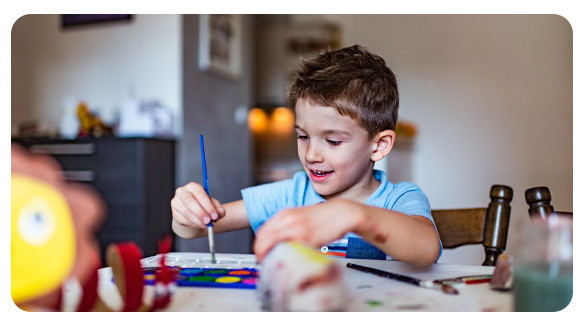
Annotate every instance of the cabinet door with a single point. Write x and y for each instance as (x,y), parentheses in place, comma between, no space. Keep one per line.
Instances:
(135,177)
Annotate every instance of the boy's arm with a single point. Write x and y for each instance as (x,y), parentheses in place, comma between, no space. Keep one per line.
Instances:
(411,239)
(235,218)
(408,238)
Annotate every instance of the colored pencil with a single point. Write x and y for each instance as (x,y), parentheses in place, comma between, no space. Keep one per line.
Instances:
(211,235)
(429,284)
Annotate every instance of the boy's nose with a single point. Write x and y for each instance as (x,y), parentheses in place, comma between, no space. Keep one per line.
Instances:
(313,154)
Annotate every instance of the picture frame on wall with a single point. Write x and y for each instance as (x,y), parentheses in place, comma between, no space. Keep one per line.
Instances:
(220,44)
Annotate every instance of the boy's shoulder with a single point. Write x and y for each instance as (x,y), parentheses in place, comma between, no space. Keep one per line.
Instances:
(388,194)
(404,197)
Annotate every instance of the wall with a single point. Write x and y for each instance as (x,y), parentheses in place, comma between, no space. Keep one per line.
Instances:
(210,102)
(492,97)
(100,64)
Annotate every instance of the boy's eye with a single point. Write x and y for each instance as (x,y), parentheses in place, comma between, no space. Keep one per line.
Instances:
(334,142)
(302,137)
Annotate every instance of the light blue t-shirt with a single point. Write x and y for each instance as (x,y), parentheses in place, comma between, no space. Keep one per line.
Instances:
(264,201)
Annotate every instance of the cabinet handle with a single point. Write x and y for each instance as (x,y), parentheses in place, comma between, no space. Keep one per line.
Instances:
(79,175)
(64,149)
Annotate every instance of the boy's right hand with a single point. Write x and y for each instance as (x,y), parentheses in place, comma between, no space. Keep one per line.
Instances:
(192,207)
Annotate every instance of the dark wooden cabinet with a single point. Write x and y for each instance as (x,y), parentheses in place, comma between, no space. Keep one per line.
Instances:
(135,176)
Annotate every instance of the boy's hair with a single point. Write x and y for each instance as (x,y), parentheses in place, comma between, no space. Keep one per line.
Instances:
(352,80)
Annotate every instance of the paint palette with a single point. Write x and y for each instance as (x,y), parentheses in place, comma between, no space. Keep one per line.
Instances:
(241,278)
(200,260)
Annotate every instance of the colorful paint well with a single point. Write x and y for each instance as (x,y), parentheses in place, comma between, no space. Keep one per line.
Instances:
(191,272)
(245,278)
(250,281)
(240,272)
(228,279)
(215,272)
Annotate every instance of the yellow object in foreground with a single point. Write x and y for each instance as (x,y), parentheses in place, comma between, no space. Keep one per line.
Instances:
(310,253)
(42,238)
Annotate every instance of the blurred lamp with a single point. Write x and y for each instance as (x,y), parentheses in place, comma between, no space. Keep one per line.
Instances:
(282,120)
(257,120)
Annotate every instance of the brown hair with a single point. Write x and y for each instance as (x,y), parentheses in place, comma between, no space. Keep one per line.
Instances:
(352,80)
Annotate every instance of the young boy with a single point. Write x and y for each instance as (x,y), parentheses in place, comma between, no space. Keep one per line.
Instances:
(346,104)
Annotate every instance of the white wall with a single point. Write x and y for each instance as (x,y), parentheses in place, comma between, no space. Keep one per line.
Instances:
(99,64)
(492,97)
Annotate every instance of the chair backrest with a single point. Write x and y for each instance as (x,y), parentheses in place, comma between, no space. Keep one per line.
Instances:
(487,225)
(539,203)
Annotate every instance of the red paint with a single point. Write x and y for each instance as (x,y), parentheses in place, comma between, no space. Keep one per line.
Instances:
(307,284)
(380,238)
(240,272)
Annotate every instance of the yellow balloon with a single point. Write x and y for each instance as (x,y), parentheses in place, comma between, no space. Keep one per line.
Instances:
(43,243)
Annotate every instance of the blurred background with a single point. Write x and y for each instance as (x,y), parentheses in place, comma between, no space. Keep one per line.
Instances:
(484,99)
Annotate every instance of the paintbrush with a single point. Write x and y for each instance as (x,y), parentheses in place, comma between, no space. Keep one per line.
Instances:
(468,279)
(429,284)
(211,234)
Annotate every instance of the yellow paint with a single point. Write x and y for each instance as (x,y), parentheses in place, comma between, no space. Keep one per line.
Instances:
(310,253)
(42,238)
(228,279)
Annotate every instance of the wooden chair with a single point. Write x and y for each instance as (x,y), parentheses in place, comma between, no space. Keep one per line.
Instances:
(539,203)
(487,226)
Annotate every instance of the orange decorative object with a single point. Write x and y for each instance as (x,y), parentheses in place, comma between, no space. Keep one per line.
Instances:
(406,129)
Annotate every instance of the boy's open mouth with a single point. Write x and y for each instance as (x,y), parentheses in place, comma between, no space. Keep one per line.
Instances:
(319,175)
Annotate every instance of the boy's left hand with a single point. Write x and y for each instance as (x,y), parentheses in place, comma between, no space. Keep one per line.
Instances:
(314,226)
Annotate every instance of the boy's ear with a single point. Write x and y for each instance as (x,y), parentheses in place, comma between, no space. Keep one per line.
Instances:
(383,144)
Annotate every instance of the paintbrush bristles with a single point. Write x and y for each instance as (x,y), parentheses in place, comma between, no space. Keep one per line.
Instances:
(212,244)
(449,289)
(445,288)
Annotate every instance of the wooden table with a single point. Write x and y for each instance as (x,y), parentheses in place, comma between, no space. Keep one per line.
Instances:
(367,292)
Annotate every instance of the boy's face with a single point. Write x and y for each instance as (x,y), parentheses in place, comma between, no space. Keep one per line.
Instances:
(335,152)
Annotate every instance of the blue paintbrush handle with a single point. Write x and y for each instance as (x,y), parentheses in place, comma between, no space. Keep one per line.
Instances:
(204,174)
(203,160)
